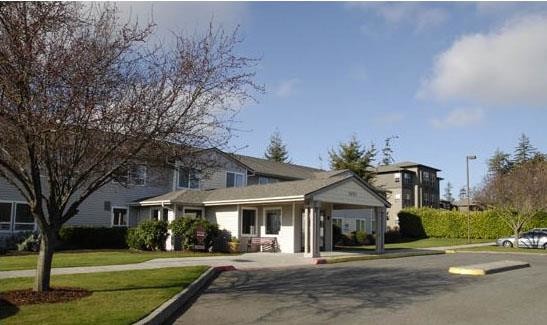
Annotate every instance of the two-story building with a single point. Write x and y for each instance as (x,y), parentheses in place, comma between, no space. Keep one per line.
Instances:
(248,196)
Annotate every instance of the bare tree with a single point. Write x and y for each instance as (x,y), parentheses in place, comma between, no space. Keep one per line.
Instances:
(83,96)
(517,195)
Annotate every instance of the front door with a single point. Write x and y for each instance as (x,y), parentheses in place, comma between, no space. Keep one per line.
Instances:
(321,230)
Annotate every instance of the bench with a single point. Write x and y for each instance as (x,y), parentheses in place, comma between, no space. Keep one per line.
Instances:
(266,244)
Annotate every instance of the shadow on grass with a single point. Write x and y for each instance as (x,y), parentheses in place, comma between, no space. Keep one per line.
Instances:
(7,309)
(323,292)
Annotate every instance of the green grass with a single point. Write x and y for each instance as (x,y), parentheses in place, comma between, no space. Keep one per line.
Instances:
(117,298)
(421,243)
(504,249)
(90,258)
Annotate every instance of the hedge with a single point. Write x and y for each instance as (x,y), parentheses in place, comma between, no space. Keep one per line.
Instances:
(149,235)
(428,222)
(92,238)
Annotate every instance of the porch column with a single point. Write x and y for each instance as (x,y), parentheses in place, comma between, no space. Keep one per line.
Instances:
(313,230)
(171,214)
(306,231)
(380,229)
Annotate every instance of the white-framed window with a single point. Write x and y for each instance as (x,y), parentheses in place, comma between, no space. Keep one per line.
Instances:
(337,221)
(266,180)
(187,178)
(192,212)
(5,216)
(234,179)
(272,221)
(397,177)
(248,221)
(133,174)
(120,216)
(407,178)
(159,214)
(360,225)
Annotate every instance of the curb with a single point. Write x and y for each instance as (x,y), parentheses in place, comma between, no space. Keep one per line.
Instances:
(488,268)
(375,257)
(500,253)
(170,307)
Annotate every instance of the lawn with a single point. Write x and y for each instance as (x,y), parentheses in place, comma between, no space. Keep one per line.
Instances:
(117,297)
(90,258)
(505,249)
(421,243)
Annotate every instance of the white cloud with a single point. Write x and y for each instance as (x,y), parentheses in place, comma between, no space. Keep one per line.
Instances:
(286,88)
(504,67)
(398,13)
(459,118)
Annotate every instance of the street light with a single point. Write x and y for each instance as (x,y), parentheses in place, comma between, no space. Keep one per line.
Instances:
(467,158)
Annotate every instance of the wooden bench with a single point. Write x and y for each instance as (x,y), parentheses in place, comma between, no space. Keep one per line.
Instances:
(267,244)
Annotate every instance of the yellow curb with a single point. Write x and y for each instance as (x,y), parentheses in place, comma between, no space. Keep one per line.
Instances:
(466,271)
(450,251)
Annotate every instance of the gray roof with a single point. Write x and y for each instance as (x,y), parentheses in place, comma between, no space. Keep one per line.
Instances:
(399,166)
(264,191)
(273,168)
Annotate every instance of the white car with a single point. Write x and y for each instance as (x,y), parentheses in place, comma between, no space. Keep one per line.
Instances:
(531,239)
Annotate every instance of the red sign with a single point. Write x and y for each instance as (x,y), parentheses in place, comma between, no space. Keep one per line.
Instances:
(200,236)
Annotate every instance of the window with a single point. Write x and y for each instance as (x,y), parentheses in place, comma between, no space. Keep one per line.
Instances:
(132,175)
(188,178)
(157,213)
(266,180)
(397,177)
(407,178)
(234,179)
(5,215)
(337,221)
(193,213)
(23,218)
(119,217)
(248,221)
(273,221)
(359,225)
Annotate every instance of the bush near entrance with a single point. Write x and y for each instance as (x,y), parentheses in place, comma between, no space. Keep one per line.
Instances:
(149,235)
(428,222)
(184,234)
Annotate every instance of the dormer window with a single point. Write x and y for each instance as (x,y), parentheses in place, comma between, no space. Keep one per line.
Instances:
(235,179)
(188,178)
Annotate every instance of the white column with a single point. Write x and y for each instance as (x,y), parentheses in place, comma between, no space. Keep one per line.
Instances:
(380,229)
(313,230)
(306,230)
(168,242)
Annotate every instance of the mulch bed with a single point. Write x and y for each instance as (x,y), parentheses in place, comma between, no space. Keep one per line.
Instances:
(29,297)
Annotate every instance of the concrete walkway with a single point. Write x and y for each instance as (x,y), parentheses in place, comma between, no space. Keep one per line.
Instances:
(245,261)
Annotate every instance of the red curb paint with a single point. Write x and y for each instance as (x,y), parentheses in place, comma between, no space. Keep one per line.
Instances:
(319,261)
(225,268)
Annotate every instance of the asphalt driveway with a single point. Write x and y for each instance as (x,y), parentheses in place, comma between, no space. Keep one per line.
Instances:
(414,290)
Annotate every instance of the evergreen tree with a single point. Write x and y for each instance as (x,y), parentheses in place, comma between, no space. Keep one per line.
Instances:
(277,150)
(524,151)
(500,163)
(448,193)
(355,157)
(387,151)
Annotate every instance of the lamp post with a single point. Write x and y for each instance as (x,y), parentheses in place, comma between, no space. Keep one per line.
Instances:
(467,158)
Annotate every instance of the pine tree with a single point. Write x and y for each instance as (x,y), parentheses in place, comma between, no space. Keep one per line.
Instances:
(500,163)
(387,151)
(448,193)
(277,150)
(524,151)
(355,157)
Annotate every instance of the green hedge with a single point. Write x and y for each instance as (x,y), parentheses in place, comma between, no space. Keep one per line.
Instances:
(149,235)
(92,238)
(428,222)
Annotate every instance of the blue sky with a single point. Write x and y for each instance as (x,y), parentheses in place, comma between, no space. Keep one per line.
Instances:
(449,79)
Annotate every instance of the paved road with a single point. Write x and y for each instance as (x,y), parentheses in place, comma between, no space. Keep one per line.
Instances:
(415,290)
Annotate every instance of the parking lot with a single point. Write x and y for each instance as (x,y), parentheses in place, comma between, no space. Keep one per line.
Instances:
(414,290)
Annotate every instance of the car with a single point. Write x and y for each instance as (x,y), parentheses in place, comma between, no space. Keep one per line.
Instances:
(539,229)
(530,239)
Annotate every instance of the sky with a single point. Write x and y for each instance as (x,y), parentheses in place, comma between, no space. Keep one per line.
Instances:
(448,79)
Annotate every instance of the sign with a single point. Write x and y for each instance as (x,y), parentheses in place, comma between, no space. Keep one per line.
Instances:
(200,237)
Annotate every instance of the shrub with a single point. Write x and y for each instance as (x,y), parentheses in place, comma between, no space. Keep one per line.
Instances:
(148,235)
(392,236)
(428,222)
(92,238)
(359,237)
(30,244)
(337,236)
(184,233)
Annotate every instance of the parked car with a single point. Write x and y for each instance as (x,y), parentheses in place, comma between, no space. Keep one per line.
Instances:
(539,229)
(530,239)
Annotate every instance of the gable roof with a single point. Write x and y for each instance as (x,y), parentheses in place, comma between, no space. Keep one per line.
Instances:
(277,169)
(399,166)
(281,191)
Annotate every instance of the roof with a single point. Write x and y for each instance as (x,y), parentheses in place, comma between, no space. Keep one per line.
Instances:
(399,166)
(278,169)
(289,190)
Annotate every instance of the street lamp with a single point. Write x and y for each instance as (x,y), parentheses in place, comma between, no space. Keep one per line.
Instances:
(467,158)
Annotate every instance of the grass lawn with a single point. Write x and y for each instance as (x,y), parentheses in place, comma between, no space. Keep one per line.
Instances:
(505,249)
(421,243)
(117,297)
(90,258)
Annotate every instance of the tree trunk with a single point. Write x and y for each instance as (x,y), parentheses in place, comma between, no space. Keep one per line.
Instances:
(516,238)
(43,269)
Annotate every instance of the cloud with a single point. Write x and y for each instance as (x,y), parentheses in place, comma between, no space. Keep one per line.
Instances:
(399,13)
(504,67)
(390,118)
(458,118)
(286,88)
